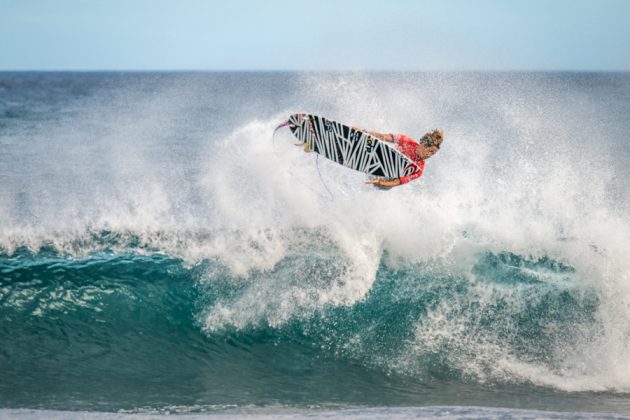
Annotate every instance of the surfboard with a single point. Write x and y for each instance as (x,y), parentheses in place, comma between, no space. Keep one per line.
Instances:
(354,149)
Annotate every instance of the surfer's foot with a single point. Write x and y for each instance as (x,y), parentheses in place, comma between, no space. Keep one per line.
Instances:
(306,148)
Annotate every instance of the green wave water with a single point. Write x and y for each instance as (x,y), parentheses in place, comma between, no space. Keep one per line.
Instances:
(161,253)
(112,331)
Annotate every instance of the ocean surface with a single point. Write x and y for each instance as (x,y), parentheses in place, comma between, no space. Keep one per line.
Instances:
(162,253)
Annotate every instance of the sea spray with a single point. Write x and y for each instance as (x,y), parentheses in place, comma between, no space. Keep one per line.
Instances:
(180,256)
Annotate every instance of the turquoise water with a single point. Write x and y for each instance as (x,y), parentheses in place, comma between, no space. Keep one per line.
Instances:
(160,252)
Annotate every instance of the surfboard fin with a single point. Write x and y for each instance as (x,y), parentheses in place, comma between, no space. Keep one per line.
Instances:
(284,124)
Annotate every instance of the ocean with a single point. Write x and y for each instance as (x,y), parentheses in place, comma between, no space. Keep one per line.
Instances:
(162,252)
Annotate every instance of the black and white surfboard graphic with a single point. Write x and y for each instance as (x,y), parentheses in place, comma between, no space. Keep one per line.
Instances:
(351,148)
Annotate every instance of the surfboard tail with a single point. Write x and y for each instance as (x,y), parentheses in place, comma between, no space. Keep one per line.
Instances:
(293,121)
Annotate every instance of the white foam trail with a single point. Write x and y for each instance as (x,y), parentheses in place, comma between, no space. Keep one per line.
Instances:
(258,188)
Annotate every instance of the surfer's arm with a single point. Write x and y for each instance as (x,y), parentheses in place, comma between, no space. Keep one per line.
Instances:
(405,179)
(380,136)
(385,184)
(396,182)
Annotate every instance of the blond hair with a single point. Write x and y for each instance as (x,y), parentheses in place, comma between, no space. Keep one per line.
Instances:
(433,138)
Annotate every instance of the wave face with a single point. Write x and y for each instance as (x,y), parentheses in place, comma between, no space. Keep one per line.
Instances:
(159,250)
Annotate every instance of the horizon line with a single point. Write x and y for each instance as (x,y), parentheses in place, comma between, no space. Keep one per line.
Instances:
(149,70)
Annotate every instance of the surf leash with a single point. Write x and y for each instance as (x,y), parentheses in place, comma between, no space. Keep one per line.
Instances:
(312,128)
(332,197)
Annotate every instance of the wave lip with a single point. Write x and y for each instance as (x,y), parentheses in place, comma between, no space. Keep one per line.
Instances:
(482,318)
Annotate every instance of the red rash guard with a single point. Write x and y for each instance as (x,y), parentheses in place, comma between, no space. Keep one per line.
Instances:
(407,146)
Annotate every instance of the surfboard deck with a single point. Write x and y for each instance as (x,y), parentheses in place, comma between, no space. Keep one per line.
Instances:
(354,149)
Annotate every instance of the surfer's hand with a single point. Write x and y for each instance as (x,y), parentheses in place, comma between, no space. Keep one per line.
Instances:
(382,184)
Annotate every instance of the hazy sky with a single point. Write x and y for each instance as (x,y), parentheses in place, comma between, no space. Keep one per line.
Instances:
(315,35)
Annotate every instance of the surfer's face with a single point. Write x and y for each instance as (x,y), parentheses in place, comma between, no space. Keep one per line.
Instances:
(425,152)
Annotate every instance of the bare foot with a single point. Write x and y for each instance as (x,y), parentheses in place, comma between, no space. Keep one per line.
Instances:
(306,148)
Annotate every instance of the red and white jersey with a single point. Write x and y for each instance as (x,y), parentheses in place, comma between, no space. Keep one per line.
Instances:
(407,146)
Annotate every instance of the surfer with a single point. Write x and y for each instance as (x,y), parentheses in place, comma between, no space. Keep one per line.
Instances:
(418,152)
(336,144)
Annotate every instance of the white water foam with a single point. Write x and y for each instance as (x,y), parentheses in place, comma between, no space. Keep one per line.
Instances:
(515,174)
(496,186)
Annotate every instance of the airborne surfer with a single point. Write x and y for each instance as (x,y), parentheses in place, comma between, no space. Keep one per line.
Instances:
(364,151)
(418,152)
